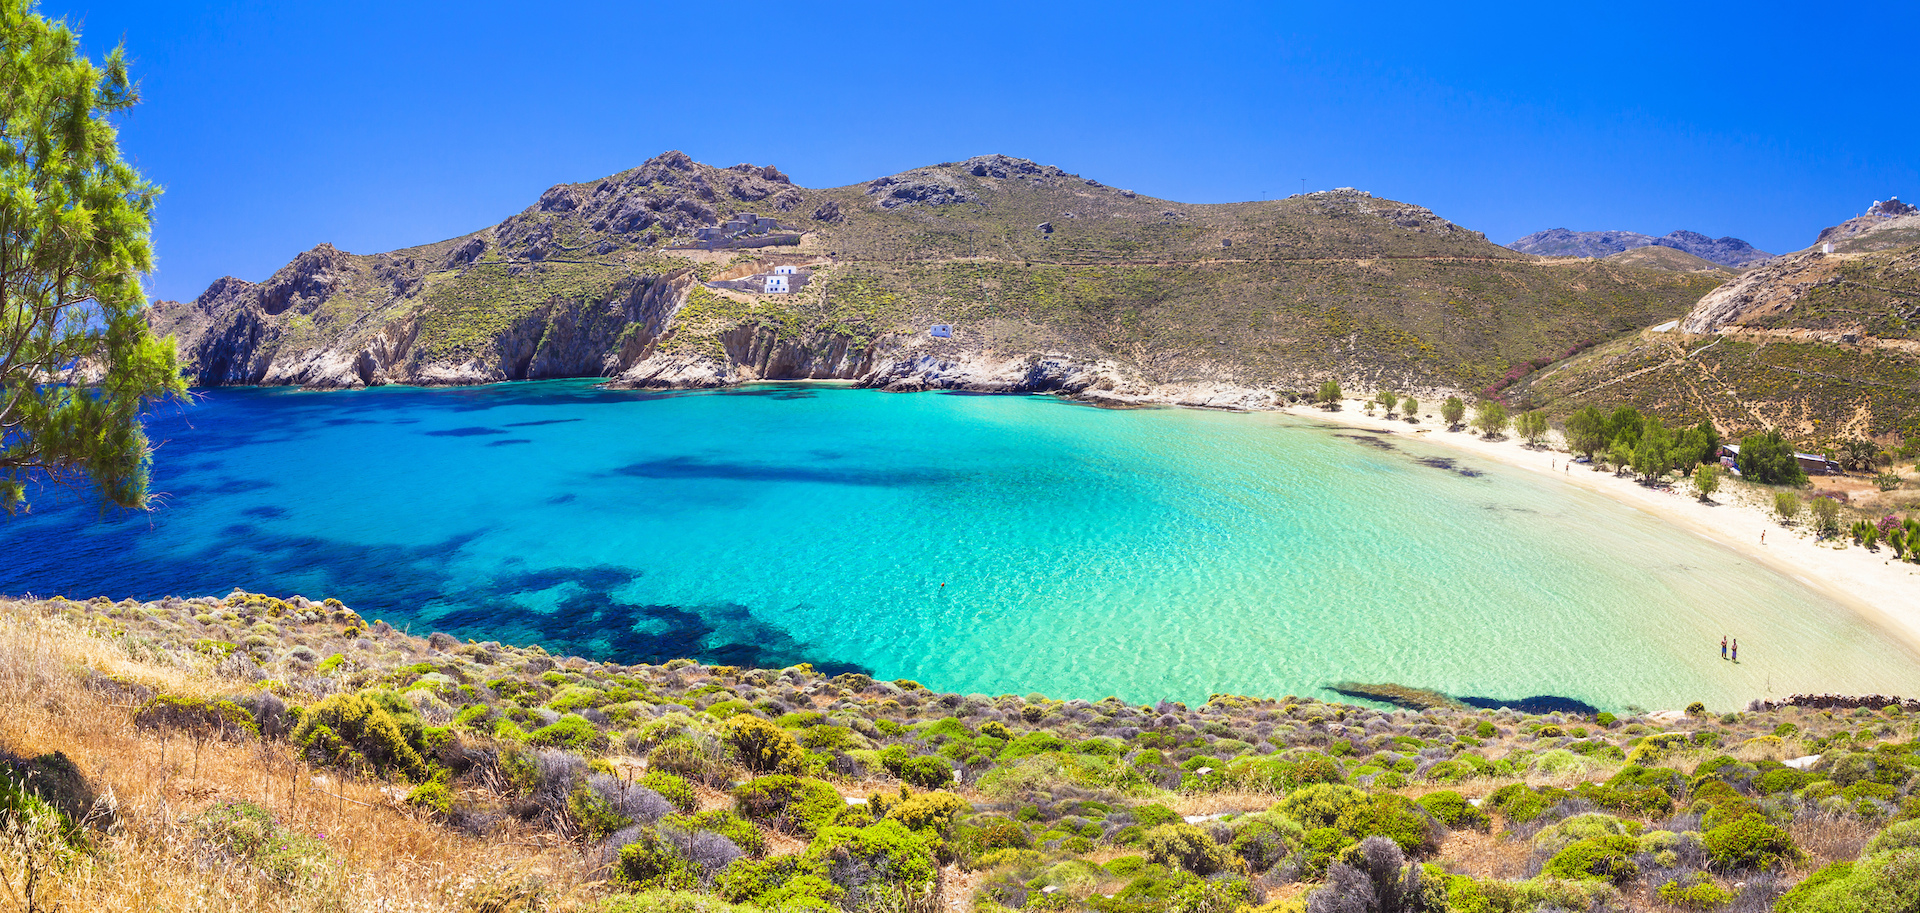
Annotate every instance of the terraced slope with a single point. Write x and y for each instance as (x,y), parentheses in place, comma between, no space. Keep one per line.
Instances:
(1053,281)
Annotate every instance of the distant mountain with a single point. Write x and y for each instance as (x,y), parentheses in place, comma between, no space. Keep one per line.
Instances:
(1562,242)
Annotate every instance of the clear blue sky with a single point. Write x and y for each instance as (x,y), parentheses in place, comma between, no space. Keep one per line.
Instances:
(274,127)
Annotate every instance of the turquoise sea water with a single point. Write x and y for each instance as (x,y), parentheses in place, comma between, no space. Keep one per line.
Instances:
(976,544)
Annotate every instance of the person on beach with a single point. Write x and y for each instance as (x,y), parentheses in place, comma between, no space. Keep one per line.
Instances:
(1763,537)
(1723,646)
(1736,651)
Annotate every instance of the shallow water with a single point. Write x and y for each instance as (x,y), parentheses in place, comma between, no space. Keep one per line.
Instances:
(976,544)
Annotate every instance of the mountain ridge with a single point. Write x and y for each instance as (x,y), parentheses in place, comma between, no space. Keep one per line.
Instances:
(1563,242)
(1053,281)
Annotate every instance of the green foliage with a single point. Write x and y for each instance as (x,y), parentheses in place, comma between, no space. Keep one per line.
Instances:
(1706,480)
(1453,410)
(75,218)
(1786,505)
(885,854)
(1749,842)
(764,747)
(1394,817)
(1767,458)
(1826,515)
(1587,431)
(1489,417)
(927,772)
(1186,847)
(199,719)
(1453,810)
(651,863)
(359,730)
(727,824)
(1328,396)
(1608,858)
(1321,805)
(1531,425)
(250,836)
(793,804)
(572,732)
(1410,408)
(1699,893)
(676,790)
(1388,401)
(1881,881)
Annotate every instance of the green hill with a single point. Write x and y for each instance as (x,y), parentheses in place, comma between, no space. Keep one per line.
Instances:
(1026,262)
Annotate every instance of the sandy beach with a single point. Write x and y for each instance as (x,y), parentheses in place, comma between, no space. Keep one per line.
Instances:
(1880,589)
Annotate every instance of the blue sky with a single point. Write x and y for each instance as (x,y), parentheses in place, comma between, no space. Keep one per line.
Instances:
(274,127)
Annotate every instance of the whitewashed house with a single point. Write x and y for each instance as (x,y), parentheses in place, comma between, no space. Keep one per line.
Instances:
(776,285)
(786,270)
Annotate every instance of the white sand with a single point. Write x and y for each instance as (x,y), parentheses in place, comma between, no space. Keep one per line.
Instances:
(1884,592)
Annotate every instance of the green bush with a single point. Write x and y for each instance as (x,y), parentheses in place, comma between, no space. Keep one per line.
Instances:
(1608,858)
(1552,840)
(1184,846)
(727,824)
(1884,881)
(1698,894)
(1453,810)
(1750,843)
(934,811)
(793,804)
(650,863)
(1322,804)
(199,719)
(763,747)
(927,772)
(676,790)
(877,863)
(1394,817)
(249,836)
(362,731)
(571,732)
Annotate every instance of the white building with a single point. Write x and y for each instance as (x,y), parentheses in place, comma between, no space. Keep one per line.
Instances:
(776,285)
(786,270)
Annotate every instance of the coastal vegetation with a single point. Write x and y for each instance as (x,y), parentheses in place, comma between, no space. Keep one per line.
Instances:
(78,363)
(255,752)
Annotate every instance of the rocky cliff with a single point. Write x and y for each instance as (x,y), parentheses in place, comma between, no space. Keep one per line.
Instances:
(1052,281)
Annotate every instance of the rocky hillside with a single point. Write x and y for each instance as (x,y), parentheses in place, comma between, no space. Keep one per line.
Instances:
(1561,242)
(255,753)
(1825,346)
(1051,281)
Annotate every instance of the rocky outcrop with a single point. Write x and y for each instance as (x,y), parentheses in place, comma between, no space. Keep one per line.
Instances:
(1767,289)
(1886,224)
(1724,251)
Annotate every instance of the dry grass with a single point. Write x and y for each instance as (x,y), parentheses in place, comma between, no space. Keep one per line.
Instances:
(382,856)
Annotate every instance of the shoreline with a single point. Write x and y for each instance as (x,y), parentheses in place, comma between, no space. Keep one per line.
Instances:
(1883,592)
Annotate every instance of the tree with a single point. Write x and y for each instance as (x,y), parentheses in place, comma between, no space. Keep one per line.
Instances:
(1826,515)
(1410,408)
(1490,417)
(1329,395)
(1858,454)
(1785,503)
(1624,425)
(1531,425)
(1452,411)
(1706,480)
(1388,400)
(1621,456)
(1587,432)
(1768,458)
(78,364)
(1653,454)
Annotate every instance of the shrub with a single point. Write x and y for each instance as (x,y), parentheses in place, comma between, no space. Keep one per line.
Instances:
(789,803)
(873,864)
(1321,805)
(1700,893)
(359,731)
(1826,515)
(201,720)
(1750,843)
(1609,858)
(571,732)
(1453,410)
(683,758)
(764,747)
(1263,841)
(1767,458)
(677,791)
(1184,846)
(1787,505)
(927,772)
(1394,817)
(248,835)
(651,863)
(1558,837)
(1453,810)
(738,831)
(934,811)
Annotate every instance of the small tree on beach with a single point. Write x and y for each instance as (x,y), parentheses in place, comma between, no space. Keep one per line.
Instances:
(1452,411)
(1532,425)
(1768,458)
(1706,480)
(1388,400)
(1621,456)
(1490,417)
(1826,515)
(1587,432)
(1786,504)
(1329,395)
(1410,408)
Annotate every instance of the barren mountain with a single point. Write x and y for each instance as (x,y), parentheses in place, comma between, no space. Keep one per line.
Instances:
(1561,242)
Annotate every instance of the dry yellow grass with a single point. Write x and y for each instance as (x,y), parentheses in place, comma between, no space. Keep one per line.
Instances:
(383,856)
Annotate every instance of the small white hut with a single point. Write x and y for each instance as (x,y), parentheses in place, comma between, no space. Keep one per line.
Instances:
(776,285)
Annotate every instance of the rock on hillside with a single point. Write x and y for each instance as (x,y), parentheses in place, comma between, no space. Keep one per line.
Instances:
(1887,223)
(1052,281)
(1561,242)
